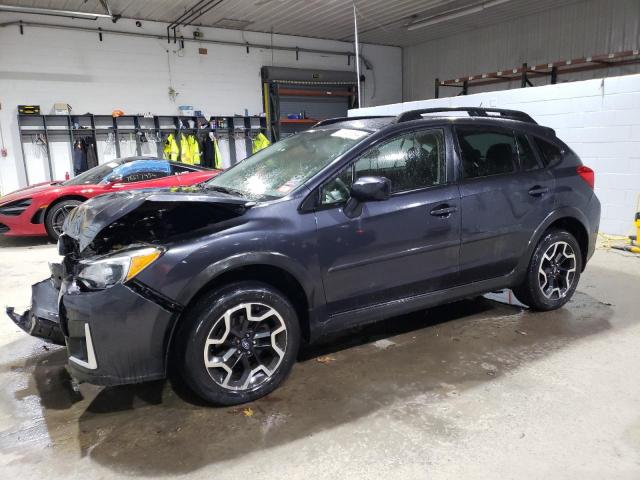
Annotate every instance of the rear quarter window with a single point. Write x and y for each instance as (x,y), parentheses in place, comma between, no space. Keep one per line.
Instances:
(526,153)
(549,152)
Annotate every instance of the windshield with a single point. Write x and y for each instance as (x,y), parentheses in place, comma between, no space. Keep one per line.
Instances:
(93,176)
(278,169)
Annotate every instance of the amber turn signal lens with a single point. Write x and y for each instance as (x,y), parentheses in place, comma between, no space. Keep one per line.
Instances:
(140,262)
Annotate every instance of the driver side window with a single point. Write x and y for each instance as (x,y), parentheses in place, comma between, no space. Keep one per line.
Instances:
(411,161)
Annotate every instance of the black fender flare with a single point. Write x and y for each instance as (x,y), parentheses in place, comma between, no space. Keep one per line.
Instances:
(555,215)
(273,259)
(215,270)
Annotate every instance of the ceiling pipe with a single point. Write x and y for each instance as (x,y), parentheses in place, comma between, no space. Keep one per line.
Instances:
(192,14)
(453,14)
(54,13)
(355,27)
(242,45)
(107,7)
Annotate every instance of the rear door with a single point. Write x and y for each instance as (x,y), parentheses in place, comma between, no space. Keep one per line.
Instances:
(396,248)
(505,194)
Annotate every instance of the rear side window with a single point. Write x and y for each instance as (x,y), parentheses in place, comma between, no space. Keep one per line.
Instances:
(486,153)
(528,158)
(550,152)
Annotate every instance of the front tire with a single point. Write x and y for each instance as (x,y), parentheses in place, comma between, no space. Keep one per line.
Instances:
(56,216)
(239,343)
(553,272)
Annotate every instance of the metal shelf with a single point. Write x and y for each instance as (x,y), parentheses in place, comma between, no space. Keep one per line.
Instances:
(551,70)
(299,92)
(298,121)
(312,93)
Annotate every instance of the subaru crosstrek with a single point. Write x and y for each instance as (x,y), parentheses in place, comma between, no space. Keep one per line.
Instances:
(350,222)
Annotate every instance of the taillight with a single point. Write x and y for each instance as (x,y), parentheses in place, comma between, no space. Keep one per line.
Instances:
(587,175)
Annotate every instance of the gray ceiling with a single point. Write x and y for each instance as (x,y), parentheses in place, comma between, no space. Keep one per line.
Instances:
(380,21)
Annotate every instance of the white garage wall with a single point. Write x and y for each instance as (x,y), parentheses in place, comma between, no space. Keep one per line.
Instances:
(47,66)
(580,29)
(599,119)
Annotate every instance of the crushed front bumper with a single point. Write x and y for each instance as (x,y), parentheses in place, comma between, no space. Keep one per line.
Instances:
(42,319)
(114,336)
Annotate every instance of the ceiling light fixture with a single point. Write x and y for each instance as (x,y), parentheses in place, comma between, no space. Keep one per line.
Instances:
(435,19)
(51,11)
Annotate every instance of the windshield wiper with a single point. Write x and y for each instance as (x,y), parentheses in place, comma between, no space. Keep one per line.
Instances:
(228,191)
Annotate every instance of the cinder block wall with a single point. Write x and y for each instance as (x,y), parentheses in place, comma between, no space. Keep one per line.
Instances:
(599,119)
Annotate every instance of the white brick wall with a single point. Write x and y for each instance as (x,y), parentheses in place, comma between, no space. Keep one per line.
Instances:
(599,119)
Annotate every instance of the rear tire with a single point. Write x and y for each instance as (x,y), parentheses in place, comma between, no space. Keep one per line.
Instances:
(56,216)
(238,343)
(553,272)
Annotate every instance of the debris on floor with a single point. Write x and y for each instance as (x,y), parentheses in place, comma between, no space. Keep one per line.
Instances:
(326,359)
(383,344)
(247,412)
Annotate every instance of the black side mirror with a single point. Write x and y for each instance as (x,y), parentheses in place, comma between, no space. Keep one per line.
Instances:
(371,189)
(114,179)
(366,189)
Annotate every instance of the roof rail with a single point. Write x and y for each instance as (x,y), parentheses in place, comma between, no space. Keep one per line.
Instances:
(331,121)
(472,111)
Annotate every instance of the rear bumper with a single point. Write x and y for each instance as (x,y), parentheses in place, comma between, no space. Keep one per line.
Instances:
(593,213)
(113,336)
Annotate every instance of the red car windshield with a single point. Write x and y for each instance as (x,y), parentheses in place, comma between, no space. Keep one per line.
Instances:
(95,175)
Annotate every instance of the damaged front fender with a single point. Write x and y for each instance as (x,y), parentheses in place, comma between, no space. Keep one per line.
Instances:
(146,216)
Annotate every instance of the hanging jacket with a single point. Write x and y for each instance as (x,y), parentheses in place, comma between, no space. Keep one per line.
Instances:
(259,142)
(171,149)
(218,157)
(92,157)
(79,158)
(211,156)
(185,151)
(194,149)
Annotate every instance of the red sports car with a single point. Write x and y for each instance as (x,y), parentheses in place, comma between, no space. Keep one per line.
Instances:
(41,209)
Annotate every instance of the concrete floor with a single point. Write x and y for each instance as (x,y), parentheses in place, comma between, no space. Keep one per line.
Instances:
(477,389)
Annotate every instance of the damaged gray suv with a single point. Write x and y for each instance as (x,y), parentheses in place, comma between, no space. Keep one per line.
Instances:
(350,222)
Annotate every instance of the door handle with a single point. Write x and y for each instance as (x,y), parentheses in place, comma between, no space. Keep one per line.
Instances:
(538,191)
(443,211)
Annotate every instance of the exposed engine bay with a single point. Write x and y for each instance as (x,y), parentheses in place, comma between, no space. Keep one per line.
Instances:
(112,222)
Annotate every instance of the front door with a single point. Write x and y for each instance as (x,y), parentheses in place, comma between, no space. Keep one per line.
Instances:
(399,247)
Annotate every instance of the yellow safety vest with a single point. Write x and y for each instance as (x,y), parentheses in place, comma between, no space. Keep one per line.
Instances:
(217,162)
(185,152)
(259,142)
(171,150)
(194,149)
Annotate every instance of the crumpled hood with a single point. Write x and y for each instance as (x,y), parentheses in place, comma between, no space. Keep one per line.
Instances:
(87,220)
